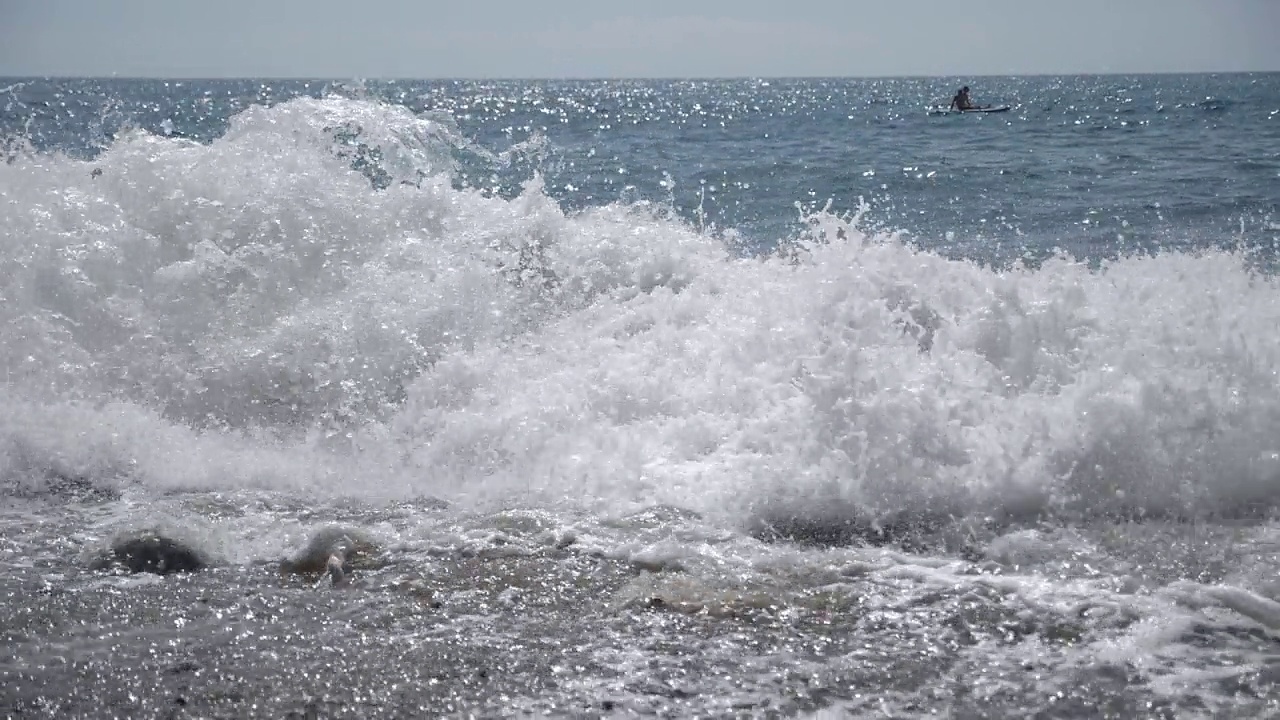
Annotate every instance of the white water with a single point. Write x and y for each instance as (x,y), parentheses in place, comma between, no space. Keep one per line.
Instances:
(254,318)
(254,314)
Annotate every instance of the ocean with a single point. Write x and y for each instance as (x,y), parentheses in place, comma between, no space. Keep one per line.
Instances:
(687,398)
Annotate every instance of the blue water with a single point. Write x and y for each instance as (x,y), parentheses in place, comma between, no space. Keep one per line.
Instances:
(1096,166)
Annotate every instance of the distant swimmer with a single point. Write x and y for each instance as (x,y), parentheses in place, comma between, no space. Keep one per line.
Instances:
(961,101)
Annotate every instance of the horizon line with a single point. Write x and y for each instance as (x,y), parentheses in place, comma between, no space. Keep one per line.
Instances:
(627,78)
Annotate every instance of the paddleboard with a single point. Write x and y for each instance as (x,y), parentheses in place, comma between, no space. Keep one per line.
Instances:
(941,110)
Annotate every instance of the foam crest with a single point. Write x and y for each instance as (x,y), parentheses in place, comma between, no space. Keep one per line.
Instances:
(863,373)
(281,294)
(173,272)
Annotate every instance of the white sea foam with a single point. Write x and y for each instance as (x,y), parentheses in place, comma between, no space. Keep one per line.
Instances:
(309,302)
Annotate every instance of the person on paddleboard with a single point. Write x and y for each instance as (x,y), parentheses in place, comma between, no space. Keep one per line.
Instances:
(961,101)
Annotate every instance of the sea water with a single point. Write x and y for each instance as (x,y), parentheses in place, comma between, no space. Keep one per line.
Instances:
(684,398)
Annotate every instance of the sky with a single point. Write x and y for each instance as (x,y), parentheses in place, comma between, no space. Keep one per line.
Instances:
(639,38)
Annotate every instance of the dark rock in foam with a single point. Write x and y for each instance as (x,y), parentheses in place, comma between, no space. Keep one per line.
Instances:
(150,552)
(837,523)
(336,551)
